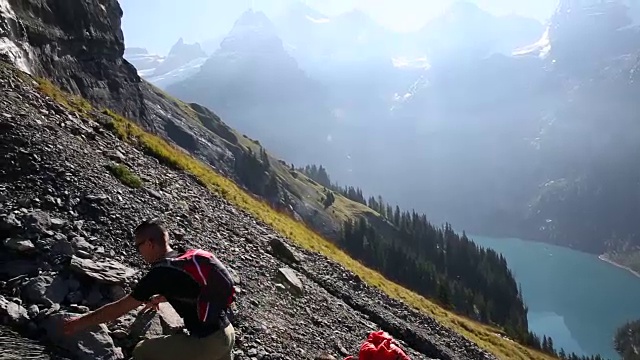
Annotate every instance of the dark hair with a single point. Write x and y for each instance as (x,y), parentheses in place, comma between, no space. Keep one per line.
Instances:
(154,230)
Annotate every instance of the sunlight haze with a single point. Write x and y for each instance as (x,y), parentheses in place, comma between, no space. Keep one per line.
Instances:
(157,24)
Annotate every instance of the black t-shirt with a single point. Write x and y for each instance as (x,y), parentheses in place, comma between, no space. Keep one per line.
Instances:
(174,284)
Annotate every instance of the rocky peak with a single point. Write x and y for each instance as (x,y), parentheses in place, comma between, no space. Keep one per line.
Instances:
(465,10)
(180,49)
(592,30)
(299,10)
(179,55)
(467,33)
(573,17)
(252,32)
(253,21)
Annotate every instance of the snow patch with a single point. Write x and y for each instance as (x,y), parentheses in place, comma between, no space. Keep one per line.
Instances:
(414,63)
(173,76)
(146,72)
(19,51)
(397,97)
(318,21)
(15,54)
(542,47)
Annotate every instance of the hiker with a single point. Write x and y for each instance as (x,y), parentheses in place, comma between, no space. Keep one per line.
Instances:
(177,279)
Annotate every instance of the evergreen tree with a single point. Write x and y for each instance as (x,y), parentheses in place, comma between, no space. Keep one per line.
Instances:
(436,262)
(329,199)
(626,340)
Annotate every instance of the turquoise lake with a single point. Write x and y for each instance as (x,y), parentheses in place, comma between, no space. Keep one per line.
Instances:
(572,296)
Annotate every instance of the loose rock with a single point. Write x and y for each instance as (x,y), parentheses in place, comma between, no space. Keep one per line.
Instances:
(94,343)
(20,245)
(289,277)
(15,313)
(108,271)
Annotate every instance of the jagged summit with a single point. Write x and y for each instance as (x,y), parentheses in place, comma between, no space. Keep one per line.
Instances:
(465,10)
(467,33)
(252,32)
(253,21)
(181,54)
(300,10)
(582,34)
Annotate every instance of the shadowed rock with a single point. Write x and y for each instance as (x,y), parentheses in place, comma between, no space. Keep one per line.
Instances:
(106,271)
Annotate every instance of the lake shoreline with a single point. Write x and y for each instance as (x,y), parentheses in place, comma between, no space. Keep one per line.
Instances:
(604,258)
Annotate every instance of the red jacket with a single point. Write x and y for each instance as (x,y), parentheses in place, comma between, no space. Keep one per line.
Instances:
(380,346)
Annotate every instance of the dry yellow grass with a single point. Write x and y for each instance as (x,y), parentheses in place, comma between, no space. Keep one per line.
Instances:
(485,336)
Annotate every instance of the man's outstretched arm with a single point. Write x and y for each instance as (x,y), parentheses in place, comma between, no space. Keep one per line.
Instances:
(106,313)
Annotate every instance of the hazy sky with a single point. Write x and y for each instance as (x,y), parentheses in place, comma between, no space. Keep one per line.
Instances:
(157,24)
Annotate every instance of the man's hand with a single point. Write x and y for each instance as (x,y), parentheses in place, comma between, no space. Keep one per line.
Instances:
(154,302)
(104,314)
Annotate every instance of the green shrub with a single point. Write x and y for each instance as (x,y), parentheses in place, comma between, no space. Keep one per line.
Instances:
(125,175)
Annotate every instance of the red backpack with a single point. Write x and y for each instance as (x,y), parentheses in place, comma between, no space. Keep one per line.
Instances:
(380,346)
(217,290)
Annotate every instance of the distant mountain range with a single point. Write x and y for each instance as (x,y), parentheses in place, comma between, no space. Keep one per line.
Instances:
(318,42)
(499,125)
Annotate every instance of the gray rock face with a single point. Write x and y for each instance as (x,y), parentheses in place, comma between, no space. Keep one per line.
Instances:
(146,325)
(22,245)
(15,313)
(95,343)
(289,277)
(283,251)
(37,222)
(35,290)
(9,222)
(109,272)
(95,45)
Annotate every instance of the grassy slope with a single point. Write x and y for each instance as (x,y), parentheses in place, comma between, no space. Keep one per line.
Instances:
(301,185)
(485,336)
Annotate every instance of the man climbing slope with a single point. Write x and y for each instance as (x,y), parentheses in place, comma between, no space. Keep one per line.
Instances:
(198,287)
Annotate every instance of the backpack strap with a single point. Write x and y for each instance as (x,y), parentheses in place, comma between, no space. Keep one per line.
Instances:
(198,274)
(168,262)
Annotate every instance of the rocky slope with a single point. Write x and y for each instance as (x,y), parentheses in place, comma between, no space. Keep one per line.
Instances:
(66,223)
(86,58)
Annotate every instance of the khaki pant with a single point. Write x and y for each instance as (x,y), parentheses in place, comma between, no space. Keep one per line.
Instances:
(217,346)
